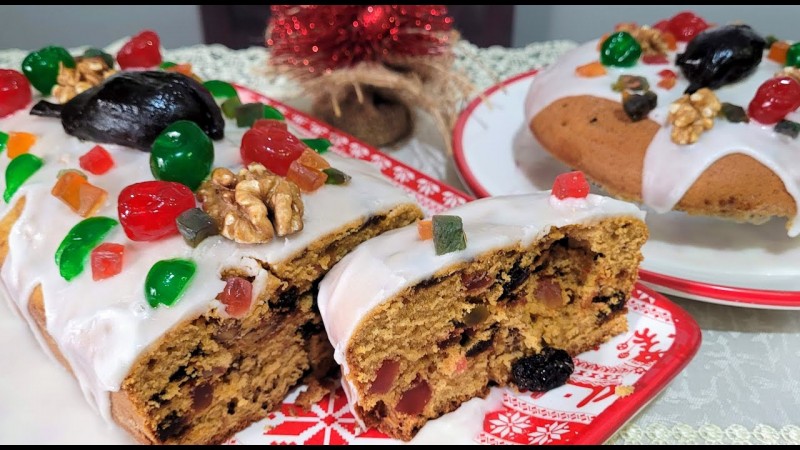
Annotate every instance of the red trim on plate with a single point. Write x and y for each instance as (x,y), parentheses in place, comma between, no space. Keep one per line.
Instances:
(687,342)
(731,294)
(458,132)
(743,296)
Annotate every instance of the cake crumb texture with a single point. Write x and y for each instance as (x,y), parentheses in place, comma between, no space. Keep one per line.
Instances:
(445,340)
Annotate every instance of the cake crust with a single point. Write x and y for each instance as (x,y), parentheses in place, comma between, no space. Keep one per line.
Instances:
(595,135)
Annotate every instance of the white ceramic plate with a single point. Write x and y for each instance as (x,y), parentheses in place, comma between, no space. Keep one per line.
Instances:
(696,257)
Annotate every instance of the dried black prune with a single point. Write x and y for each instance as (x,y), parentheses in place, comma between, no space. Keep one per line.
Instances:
(638,106)
(543,371)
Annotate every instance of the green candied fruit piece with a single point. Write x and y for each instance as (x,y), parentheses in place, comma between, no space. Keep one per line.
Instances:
(620,50)
(182,153)
(733,113)
(448,234)
(166,65)
(272,113)
(74,250)
(247,114)
(793,55)
(195,225)
(336,176)
(769,40)
(220,89)
(229,107)
(3,141)
(18,171)
(96,52)
(41,67)
(630,83)
(320,145)
(167,280)
(788,128)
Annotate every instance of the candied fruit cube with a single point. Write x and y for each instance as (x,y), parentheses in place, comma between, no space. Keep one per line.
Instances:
(336,176)
(448,234)
(654,59)
(107,260)
(3,141)
(306,178)
(571,184)
(237,296)
(19,142)
(777,52)
(425,229)
(195,225)
(590,70)
(414,400)
(667,83)
(76,192)
(669,38)
(313,160)
(97,161)
(385,377)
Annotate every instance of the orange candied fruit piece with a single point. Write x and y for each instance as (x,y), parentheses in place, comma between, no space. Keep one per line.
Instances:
(313,160)
(308,179)
(777,52)
(425,229)
(76,192)
(669,38)
(593,69)
(667,83)
(19,142)
(185,69)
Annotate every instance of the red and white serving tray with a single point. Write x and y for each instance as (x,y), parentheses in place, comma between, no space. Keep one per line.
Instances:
(701,258)
(587,410)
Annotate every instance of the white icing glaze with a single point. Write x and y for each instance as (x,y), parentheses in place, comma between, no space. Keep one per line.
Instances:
(382,267)
(670,169)
(102,326)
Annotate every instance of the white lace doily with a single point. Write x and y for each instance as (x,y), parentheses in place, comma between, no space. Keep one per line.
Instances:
(741,388)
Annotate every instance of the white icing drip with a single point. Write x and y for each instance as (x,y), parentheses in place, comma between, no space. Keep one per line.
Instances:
(102,326)
(382,267)
(670,169)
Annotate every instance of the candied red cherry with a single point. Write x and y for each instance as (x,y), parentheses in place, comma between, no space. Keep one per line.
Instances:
(147,210)
(143,50)
(15,91)
(684,26)
(107,260)
(774,99)
(274,147)
(97,161)
(570,184)
(236,296)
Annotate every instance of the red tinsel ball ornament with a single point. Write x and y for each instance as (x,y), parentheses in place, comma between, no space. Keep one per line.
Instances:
(315,39)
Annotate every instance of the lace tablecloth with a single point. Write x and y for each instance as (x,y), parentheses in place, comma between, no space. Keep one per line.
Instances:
(744,384)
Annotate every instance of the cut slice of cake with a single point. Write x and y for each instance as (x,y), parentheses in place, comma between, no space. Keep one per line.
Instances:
(182,339)
(540,280)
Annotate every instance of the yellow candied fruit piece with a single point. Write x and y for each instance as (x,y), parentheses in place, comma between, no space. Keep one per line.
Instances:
(76,192)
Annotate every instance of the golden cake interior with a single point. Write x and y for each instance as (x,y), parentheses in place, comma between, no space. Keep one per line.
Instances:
(450,338)
(212,376)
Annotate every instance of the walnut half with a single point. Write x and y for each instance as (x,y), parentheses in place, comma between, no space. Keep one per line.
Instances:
(253,206)
(692,115)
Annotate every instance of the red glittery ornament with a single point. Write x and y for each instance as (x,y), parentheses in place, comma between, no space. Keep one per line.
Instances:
(316,39)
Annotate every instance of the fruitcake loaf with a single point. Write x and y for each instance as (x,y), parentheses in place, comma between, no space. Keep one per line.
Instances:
(185,316)
(683,115)
(540,279)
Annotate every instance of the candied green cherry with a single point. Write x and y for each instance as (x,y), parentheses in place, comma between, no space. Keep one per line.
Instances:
(220,89)
(620,50)
(793,55)
(18,171)
(41,67)
(167,280)
(182,153)
(74,250)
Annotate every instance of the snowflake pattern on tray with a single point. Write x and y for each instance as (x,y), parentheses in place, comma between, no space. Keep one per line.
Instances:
(661,340)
